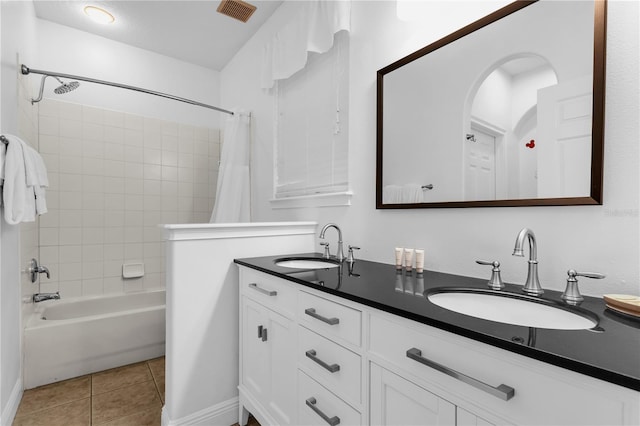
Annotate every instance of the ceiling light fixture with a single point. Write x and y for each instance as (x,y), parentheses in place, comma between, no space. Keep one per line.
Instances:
(99,15)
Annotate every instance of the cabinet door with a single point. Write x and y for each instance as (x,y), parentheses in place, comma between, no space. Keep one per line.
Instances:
(281,340)
(466,418)
(397,401)
(255,353)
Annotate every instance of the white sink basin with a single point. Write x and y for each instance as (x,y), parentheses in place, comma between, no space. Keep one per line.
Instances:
(306,263)
(511,308)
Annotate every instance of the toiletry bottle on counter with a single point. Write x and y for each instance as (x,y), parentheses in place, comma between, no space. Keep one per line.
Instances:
(408,259)
(419,260)
(399,252)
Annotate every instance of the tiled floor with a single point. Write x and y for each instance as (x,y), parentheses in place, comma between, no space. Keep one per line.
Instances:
(132,395)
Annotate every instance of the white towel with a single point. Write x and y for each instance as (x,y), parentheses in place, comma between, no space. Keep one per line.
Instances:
(36,177)
(21,201)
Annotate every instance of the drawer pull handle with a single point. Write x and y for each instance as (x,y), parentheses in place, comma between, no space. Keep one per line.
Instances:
(503,391)
(262,290)
(312,355)
(312,312)
(333,421)
(262,333)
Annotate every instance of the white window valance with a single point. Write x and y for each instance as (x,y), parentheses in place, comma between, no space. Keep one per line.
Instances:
(311,30)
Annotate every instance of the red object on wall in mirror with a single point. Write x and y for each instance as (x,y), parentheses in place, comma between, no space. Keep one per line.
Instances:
(531,144)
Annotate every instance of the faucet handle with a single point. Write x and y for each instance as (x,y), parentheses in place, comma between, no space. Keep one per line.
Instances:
(495,282)
(572,294)
(350,257)
(326,254)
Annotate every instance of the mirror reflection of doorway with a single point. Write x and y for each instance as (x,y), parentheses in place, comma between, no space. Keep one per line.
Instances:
(505,100)
(480,166)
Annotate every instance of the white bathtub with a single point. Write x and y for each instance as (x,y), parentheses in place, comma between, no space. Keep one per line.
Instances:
(70,338)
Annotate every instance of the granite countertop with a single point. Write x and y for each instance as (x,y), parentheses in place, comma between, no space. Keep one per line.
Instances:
(612,353)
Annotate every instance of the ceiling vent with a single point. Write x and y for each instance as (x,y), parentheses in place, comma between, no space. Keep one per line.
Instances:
(237,9)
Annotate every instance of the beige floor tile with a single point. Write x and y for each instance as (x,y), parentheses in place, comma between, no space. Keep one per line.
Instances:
(45,397)
(144,418)
(76,413)
(160,385)
(124,402)
(120,377)
(157,367)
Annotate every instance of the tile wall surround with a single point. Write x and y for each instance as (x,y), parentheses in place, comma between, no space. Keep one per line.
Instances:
(114,177)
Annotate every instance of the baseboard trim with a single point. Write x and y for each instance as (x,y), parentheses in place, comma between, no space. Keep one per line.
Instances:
(222,414)
(11,409)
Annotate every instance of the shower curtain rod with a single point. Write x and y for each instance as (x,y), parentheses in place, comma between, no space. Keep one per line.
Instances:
(26,70)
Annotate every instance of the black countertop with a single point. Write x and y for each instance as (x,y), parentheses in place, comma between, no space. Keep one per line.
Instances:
(612,353)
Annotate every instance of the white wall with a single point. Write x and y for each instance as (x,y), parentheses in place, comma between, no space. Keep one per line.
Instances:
(18,31)
(599,238)
(70,51)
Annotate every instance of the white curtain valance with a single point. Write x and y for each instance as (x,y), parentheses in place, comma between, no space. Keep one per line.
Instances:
(311,31)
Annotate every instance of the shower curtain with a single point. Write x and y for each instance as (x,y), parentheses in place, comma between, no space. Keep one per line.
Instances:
(233,195)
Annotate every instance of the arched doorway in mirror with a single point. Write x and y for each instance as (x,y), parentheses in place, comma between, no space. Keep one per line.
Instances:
(500,155)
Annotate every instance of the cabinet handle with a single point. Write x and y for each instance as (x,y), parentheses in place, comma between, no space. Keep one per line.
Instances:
(333,421)
(503,391)
(260,332)
(263,335)
(262,290)
(312,312)
(331,368)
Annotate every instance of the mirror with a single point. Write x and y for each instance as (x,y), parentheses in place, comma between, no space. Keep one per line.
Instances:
(507,111)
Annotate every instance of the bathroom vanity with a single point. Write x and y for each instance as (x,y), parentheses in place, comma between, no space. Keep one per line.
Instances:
(361,344)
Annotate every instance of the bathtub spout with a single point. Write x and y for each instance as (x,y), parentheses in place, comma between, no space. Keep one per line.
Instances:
(40,297)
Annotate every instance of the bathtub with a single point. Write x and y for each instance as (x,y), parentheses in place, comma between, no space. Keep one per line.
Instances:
(70,338)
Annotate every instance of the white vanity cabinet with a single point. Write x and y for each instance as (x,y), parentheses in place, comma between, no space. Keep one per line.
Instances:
(327,360)
(268,347)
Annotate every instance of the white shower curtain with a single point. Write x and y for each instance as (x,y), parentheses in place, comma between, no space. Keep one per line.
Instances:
(233,195)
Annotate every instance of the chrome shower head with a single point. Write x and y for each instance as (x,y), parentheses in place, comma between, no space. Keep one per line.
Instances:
(66,87)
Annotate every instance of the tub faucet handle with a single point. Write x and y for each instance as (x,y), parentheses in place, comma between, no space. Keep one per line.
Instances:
(495,282)
(34,269)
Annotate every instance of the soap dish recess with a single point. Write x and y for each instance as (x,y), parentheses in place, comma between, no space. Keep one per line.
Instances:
(132,270)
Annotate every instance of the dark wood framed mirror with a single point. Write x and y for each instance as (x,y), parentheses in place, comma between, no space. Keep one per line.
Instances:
(507,111)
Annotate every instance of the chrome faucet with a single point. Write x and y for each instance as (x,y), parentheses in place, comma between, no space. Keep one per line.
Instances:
(41,297)
(339,253)
(532,285)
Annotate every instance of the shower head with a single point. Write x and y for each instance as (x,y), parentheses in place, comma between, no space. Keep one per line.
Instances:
(66,87)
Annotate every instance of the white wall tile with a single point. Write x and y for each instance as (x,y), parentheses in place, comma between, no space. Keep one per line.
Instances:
(92,270)
(113,203)
(113,285)
(70,236)
(69,111)
(152,171)
(113,118)
(92,252)
(49,126)
(70,164)
(113,178)
(70,271)
(70,218)
(152,156)
(114,252)
(69,289)
(71,129)
(169,173)
(92,287)
(70,254)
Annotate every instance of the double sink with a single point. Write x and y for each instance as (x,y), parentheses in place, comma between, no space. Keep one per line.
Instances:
(494,305)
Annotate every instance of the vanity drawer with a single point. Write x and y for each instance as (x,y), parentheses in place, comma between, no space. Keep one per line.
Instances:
(329,318)
(536,385)
(268,290)
(337,368)
(318,406)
